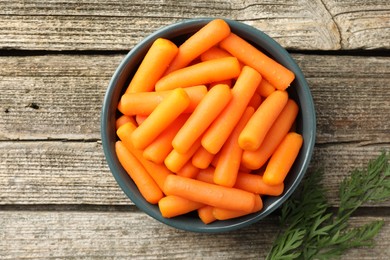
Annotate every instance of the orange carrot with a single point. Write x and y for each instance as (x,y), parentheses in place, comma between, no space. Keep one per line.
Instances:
(164,114)
(145,184)
(256,159)
(175,160)
(172,206)
(223,214)
(243,168)
(140,119)
(254,132)
(208,36)
(157,171)
(153,66)
(214,162)
(245,181)
(210,194)
(255,101)
(254,183)
(206,175)
(282,159)
(275,73)
(123,119)
(230,159)
(188,170)
(225,82)
(214,53)
(160,147)
(202,158)
(204,114)
(201,73)
(206,214)
(143,103)
(265,88)
(223,125)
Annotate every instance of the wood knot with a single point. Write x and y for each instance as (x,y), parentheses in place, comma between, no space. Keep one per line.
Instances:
(33,105)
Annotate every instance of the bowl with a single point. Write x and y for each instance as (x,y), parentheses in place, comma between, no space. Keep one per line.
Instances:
(178,32)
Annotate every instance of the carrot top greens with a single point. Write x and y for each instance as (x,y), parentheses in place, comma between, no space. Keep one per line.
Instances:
(311,231)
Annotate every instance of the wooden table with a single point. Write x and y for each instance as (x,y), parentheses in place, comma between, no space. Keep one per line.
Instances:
(58,198)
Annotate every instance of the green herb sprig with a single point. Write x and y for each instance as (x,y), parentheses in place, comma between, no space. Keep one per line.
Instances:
(309,228)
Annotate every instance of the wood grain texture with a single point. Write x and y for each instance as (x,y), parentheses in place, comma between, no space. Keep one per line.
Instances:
(76,173)
(58,198)
(362,24)
(112,25)
(351,97)
(125,235)
(53,97)
(60,96)
(56,173)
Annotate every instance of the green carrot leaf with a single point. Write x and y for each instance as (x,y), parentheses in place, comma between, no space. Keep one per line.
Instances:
(311,230)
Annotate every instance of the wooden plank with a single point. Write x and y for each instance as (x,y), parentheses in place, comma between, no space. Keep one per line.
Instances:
(351,94)
(109,25)
(53,97)
(56,173)
(362,24)
(102,25)
(133,235)
(77,173)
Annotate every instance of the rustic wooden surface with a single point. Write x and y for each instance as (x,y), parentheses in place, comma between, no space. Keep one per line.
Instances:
(58,198)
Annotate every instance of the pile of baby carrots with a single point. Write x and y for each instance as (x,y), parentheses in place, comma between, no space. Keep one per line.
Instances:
(208,126)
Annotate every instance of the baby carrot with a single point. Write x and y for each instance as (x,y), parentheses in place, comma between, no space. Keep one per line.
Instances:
(206,175)
(175,160)
(256,159)
(209,194)
(139,119)
(282,159)
(225,82)
(202,158)
(204,114)
(243,90)
(230,155)
(123,119)
(255,101)
(257,127)
(145,184)
(208,36)
(214,162)
(254,183)
(265,88)
(188,170)
(157,171)
(161,117)
(160,147)
(201,73)
(205,214)
(223,214)
(143,103)
(214,53)
(153,66)
(245,181)
(172,206)
(275,73)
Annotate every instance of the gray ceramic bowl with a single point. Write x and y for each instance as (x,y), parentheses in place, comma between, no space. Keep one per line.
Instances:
(299,90)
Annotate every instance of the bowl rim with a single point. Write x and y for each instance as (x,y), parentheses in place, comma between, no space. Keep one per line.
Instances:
(179,28)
